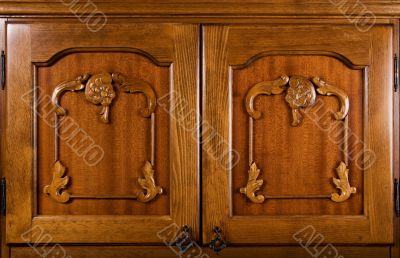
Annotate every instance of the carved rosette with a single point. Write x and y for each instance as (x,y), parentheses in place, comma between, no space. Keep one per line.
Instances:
(99,90)
(300,93)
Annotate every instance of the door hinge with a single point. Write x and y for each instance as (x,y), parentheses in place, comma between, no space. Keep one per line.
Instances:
(397,197)
(3,198)
(396,73)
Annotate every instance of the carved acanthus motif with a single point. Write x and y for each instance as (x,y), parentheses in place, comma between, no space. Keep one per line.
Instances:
(58,184)
(300,94)
(99,90)
(148,184)
(253,185)
(343,184)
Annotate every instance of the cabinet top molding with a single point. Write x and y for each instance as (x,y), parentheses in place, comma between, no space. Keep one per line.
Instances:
(206,8)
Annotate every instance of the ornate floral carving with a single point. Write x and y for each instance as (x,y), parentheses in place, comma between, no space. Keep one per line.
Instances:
(99,90)
(253,185)
(148,184)
(343,184)
(300,94)
(59,182)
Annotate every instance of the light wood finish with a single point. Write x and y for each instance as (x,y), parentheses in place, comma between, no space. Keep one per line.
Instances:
(166,56)
(233,52)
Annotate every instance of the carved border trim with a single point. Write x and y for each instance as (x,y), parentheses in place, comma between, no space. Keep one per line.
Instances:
(99,89)
(301,93)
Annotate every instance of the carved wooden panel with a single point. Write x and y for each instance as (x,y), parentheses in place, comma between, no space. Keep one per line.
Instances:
(301,157)
(297,162)
(129,130)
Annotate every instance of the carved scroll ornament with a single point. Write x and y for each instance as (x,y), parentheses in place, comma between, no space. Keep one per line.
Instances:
(100,90)
(300,93)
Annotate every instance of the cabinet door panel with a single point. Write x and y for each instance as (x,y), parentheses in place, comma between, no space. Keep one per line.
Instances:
(301,134)
(97,157)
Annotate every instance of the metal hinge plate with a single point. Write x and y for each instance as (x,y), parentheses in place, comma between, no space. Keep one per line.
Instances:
(3,196)
(397,197)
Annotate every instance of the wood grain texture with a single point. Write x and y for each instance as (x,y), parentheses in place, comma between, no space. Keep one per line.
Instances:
(125,141)
(4,248)
(231,252)
(234,45)
(286,8)
(297,160)
(173,67)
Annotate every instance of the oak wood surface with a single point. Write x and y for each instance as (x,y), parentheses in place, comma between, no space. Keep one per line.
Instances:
(176,155)
(296,160)
(285,8)
(231,252)
(125,140)
(234,45)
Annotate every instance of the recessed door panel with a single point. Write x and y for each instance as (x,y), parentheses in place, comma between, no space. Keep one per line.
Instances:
(303,126)
(96,141)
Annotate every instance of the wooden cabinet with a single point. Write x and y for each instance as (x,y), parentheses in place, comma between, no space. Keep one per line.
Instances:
(200,129)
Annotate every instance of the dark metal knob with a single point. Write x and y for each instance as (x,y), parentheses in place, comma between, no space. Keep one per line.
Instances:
(217,244)
(183,241)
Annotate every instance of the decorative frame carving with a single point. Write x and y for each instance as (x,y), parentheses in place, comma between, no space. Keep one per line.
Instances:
(99,90)
(300,94)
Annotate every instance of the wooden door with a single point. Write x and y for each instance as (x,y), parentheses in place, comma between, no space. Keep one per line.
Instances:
(101,140)
(298,138)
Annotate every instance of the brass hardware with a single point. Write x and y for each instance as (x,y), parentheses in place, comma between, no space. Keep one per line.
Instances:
(301,93)
(183,241)
(217,244)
